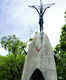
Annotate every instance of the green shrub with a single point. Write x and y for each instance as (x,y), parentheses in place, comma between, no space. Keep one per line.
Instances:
(11,67)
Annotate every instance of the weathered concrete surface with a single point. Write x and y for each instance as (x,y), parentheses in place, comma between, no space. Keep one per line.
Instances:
(41,57)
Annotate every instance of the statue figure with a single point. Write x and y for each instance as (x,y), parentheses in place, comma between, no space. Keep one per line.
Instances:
(41,12)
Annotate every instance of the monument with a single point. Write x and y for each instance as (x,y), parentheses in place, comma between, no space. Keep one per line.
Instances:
(40,63)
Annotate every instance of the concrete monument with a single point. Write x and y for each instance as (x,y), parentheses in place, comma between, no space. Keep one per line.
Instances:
(40,64)
(40,57)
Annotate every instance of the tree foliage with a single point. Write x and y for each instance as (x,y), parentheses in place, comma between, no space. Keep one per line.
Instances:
(60,52)
(11,65)
(11,68)
(13,44)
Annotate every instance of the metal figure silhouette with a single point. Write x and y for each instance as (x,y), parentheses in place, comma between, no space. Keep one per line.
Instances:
(41,12)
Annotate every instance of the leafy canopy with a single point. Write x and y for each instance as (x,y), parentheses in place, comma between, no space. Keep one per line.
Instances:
(60,52)
(13,44)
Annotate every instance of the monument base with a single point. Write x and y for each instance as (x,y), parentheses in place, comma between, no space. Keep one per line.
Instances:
(40,60)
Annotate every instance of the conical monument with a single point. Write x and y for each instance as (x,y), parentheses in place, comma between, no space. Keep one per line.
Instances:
(40,63)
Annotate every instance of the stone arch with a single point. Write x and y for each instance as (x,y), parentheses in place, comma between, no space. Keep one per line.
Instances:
(37,75)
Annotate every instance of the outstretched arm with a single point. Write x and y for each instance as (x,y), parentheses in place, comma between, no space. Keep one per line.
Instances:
(45,10)
(49,5)
(35,8)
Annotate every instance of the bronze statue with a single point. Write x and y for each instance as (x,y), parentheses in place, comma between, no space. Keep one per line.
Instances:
(41,12)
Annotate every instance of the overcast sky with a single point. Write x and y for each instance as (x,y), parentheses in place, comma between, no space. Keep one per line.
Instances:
(17,18)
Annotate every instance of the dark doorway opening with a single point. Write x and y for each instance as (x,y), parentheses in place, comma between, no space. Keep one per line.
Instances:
(37,75)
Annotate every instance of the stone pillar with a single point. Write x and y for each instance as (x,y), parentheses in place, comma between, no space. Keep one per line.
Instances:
(40,57)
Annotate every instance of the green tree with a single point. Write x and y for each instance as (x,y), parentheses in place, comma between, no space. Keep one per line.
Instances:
(13,44)
(8,68)
(60,52)
(12,66)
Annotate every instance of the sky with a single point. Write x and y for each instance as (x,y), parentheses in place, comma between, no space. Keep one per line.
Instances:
(17,18)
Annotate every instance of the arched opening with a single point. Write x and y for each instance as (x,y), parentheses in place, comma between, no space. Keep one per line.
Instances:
(37,75)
